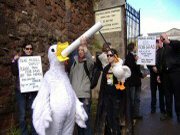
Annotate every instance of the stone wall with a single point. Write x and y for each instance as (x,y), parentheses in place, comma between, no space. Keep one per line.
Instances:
(41,22)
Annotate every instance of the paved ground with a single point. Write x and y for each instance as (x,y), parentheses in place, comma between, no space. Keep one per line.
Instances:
(151,124)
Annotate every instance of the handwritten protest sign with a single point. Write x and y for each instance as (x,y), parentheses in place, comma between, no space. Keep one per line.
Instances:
(30,73)
(146,51)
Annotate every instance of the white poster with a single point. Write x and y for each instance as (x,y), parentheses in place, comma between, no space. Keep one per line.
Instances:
(30,73)
(110,18)
(146,51)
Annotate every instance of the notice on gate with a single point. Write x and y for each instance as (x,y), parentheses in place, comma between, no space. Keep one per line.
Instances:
(30,73)
(146,51)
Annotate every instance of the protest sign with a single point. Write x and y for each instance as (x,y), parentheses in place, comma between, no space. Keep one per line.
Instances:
(30,73)
(146,51)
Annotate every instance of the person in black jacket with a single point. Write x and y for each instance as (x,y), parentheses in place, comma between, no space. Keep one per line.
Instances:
(134,81)
(156,84)
(24,100)
(108,116)
(170,68)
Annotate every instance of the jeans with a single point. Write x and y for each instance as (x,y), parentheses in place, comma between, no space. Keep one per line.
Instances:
(87,106)
(24,102)
(135,99)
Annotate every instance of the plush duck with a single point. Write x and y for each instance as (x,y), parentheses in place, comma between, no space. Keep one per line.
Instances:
(56,107)
(121,72)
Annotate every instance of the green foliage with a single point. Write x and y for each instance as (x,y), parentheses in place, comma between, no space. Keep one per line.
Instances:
(14,131)
(95,46)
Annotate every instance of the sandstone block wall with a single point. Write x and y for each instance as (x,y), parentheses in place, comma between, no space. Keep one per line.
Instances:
(41,22)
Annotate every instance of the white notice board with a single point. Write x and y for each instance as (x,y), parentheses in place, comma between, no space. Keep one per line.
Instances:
(146,50)
(110,18)
(30,73)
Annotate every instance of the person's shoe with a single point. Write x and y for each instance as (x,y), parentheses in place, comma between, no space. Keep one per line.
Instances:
(153,111)
(178,119)
(165,117)
(138,117)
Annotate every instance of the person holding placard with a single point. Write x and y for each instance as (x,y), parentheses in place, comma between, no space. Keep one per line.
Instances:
(24,100)
(134,81)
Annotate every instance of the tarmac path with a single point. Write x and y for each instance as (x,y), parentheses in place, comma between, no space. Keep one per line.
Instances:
(151,124)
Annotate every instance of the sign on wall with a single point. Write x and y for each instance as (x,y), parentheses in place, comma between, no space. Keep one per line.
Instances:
(30,73)
(110,18)
(146,51)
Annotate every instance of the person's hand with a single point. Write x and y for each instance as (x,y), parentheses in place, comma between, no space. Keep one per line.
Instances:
(15,57)
(136,57)
(154,69)
(83,42)
(144,75)
(158,79)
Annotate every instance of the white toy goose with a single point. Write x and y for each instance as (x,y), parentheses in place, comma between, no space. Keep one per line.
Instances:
(56,107)
(121,72)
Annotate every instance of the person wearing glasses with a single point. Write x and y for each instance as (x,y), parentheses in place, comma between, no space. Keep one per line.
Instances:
(170,67)
(108,116)
(24,100)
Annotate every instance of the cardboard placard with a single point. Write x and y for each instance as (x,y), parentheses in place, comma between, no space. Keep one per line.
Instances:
(30,73)
(146,51)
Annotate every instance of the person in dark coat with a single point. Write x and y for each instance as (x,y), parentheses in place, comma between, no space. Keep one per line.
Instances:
(24,100)
(155,84)
(134,82)
(170,68)
(108,116)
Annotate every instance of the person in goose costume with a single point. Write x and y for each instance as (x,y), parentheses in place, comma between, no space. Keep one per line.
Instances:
(56,107)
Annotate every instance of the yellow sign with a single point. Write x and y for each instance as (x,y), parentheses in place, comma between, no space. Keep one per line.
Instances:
(111,19)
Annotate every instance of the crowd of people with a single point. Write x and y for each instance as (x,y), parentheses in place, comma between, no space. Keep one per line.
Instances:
(109,116)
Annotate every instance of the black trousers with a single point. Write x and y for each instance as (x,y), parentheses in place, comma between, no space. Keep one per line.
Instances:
(175,83)
(154,85)
(171,83)
(112,121)
(168,92)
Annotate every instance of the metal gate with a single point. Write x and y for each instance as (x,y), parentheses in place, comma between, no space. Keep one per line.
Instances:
(133,23)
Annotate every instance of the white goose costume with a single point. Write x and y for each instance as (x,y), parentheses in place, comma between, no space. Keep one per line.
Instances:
(56,107)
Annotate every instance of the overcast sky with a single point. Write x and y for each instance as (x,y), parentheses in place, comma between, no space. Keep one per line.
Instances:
(157,15)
